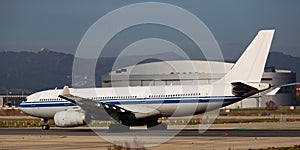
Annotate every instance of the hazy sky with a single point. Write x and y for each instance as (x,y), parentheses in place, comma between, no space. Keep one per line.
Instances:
(60,24)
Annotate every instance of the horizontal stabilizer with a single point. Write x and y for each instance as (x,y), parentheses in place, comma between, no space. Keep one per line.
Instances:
(273,92)
(242,89)
(276,90)
(248,89)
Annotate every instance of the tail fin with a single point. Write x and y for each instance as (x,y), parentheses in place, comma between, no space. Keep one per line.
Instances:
(250,66)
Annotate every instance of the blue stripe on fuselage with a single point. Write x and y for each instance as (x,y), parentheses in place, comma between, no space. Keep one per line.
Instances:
(173,100)
(48,104)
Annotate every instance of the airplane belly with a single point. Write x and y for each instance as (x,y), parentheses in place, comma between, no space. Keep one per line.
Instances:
(178,109)
(184,109)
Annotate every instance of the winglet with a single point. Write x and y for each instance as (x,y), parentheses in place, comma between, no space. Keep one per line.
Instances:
(65,91)
(65,94)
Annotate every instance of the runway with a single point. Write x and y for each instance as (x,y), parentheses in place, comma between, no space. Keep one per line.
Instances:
(183,133)
(84,138)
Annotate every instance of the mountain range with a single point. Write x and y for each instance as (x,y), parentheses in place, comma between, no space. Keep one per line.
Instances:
(27,72)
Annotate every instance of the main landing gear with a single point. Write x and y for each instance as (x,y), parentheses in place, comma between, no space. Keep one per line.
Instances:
(45,125)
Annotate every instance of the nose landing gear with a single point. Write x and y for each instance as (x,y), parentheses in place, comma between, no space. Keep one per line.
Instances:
(45,125)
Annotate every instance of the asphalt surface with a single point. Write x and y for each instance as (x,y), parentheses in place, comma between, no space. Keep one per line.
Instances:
(142,132)
(84,138)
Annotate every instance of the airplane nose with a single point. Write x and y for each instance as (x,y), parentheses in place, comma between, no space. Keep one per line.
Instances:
(21,106)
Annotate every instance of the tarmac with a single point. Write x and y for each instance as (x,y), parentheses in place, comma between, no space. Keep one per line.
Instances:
(219,136)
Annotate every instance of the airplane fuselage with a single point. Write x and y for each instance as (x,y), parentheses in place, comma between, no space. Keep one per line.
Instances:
(166,99)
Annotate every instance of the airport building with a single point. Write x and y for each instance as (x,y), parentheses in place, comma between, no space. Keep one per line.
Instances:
(10,100)
(201,72)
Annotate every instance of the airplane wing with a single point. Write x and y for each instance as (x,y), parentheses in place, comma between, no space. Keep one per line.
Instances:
(97,110)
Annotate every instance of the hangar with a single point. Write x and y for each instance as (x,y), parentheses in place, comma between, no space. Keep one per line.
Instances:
(183,72)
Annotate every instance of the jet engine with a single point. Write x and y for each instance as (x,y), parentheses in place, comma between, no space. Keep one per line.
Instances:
(69,118)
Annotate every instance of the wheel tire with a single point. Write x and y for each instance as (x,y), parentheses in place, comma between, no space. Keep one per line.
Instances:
(45,127)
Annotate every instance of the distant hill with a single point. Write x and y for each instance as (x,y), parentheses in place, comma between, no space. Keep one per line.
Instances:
(283,61)
(30,72)
(26,71)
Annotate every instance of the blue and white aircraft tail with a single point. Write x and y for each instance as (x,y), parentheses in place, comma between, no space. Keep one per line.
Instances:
(135,106)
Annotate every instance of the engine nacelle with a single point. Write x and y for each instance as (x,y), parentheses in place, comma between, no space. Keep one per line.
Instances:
(69,118)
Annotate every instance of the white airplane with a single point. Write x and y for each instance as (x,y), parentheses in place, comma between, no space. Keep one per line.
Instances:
(136,106)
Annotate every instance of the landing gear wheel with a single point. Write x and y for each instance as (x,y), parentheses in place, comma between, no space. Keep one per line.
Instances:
(46,127)
(118,128)
(162,126)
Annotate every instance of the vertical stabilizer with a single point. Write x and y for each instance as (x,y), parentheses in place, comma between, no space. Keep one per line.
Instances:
(250,66)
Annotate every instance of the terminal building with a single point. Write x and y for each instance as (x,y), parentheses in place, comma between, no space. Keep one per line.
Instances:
(186,72)
(11,100)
